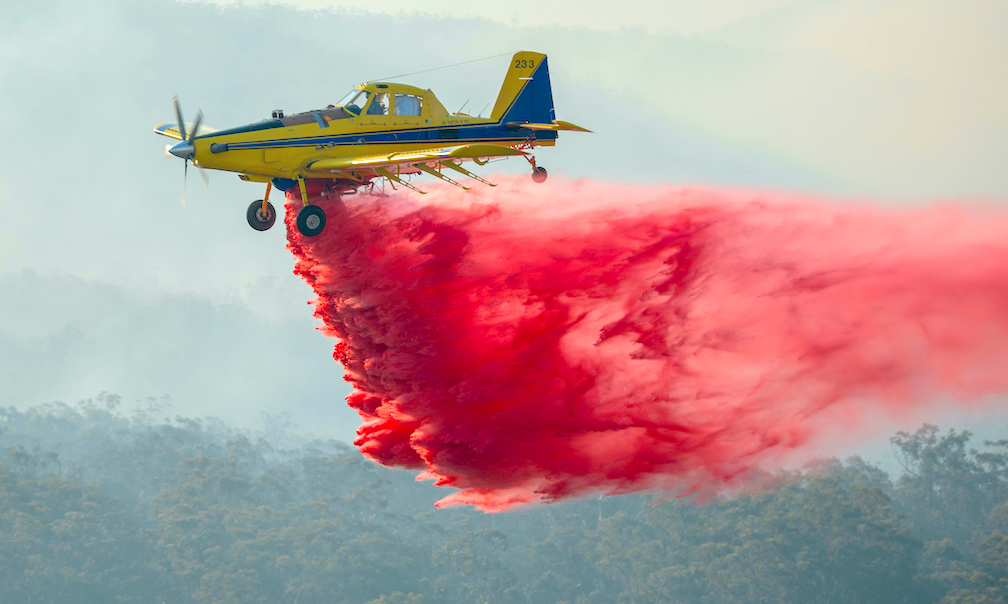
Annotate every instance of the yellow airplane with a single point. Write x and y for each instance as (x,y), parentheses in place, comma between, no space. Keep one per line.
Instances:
(378,130)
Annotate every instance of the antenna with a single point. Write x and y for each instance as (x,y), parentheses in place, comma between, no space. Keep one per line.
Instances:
(482,110)
(462,107)
(402,75)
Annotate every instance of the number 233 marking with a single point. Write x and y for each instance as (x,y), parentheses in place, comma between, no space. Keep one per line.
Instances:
(524,64)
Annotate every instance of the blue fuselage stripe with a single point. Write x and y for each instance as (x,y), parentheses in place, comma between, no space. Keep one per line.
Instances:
(459,135)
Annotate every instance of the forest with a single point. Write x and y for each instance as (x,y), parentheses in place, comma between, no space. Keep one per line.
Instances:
(97,505)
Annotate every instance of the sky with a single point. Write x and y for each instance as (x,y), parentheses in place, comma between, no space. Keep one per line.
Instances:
(109,283)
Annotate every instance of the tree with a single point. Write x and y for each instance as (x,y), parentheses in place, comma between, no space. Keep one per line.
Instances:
(948,490)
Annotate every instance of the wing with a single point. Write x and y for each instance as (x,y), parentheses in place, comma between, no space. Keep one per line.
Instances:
(172,130)
(474,151)
(169,130)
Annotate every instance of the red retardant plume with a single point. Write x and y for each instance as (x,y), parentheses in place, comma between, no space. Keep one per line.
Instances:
(531,343)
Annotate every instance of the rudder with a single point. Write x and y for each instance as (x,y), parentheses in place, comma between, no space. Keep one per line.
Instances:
(526,95)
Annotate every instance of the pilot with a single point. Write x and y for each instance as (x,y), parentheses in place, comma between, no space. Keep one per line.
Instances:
(379,106)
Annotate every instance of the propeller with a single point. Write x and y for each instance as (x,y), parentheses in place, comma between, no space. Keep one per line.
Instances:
(178,116)
(185,149)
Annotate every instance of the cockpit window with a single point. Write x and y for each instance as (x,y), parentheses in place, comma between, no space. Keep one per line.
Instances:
(357,100)
(346,100)
(408,105)
(379,106)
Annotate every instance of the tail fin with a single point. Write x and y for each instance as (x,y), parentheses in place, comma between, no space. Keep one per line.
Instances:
(526,95)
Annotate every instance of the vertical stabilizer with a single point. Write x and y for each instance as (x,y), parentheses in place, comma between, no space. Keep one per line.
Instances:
(526,95)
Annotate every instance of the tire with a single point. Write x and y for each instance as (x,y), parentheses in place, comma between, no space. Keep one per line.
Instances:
(539,175)
(310,221)
(259,221)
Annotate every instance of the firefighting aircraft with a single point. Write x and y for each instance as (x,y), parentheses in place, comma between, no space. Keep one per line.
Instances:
(378,130)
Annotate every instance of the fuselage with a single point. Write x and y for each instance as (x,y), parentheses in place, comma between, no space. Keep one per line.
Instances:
(413,119)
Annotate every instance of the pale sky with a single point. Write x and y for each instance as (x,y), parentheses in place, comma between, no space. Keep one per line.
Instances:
(901,98)
(108,283)
(672,16)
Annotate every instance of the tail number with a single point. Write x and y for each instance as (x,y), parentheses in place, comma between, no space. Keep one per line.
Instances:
(524,64)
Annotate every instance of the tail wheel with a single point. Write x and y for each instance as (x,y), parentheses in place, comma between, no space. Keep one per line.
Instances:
(258,219)
(539,174)
(310,221)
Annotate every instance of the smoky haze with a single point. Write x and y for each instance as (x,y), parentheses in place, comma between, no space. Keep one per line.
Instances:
(109,284)
(91,206)
(154,315)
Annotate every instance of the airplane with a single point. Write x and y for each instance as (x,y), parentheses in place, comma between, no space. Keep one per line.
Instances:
(379,130)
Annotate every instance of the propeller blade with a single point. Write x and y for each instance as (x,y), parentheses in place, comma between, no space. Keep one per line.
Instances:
(202,172)
(178,116)
(166,149)
(196,125)
(185,179)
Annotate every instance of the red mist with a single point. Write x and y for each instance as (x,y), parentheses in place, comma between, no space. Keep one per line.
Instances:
(530,343)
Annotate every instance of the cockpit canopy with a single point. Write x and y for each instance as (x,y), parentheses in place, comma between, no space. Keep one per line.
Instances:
(397,100)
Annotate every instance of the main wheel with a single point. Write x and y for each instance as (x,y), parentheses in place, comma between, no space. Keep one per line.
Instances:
(539,174)
(310,221)
(258,219)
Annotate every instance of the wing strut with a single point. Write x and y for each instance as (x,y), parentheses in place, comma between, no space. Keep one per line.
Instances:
(393,177)
(461,170)
(437,174)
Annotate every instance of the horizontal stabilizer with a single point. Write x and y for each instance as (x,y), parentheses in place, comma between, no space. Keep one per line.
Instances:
(569,126)
(555,126)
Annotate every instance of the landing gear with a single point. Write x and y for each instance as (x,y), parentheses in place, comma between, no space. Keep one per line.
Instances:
(257,218)
(310,221)
(538,174)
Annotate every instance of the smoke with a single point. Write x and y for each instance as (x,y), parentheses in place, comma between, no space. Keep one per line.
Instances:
(535,342)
